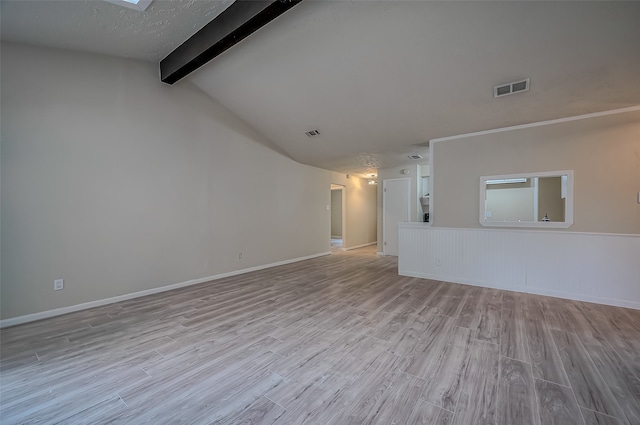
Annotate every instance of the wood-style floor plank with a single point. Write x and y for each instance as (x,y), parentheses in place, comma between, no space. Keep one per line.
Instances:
(428,414)
(516,394)
(623,384)
(595,418)
(477,402)
(513,330)
(588,385)
(545,359)
(557,404)
(262,411)
(396,404)
(443,366)
(340,339)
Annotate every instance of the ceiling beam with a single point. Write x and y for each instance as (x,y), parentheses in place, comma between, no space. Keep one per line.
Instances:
(238,21)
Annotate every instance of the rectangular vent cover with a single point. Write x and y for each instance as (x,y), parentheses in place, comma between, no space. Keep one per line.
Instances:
(511,88)
(312,133)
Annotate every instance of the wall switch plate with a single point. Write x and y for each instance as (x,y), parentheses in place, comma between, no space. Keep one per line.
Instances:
(639,197)
(58,284)
(438,262)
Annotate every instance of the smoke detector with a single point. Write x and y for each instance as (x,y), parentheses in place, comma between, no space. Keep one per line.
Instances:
(312,133)
(511,88)
(415,157)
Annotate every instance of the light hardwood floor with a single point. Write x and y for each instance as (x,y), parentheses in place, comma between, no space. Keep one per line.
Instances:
(340,339)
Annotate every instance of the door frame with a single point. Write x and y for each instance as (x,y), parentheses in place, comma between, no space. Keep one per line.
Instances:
(343,212)
(384,208)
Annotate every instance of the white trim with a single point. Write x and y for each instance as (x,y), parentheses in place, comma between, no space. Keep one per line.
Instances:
(534,124)
(336,237)
(359,246)
(585,298)
(469,282)
(431,178)
(568,219)
(528,290)
(419,225)
(13,321)
(343,212)
(379,253)
(415,225)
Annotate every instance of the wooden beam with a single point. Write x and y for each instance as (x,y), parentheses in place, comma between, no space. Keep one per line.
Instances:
(238,21)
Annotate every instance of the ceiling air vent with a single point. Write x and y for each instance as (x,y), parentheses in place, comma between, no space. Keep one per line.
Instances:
(415,156)
(312,133)
(511,88)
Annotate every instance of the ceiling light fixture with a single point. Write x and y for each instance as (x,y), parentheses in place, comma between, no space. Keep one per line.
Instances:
(139,5)
(415,157)
(507,181)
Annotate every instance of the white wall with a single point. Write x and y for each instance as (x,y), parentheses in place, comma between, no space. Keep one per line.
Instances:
(593,267)
(118,183)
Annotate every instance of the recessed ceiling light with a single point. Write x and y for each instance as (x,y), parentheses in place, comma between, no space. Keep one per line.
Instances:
(415,156)
(140,5)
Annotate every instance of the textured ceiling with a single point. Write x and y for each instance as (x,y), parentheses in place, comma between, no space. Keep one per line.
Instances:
(377,78)
(101,27)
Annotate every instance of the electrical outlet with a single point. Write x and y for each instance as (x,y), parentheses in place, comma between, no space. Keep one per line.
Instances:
(438,262)
(240,256)
(58,284)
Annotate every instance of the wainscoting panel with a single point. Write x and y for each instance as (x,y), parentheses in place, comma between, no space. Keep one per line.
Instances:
(602,268)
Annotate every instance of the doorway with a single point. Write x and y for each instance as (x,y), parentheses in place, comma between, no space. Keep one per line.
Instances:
(337,218)
(396,208)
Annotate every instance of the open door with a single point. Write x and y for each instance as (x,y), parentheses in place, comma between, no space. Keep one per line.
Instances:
(337,218)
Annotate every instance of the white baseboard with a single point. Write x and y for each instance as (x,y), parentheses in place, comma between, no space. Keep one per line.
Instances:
(462,281)
(13,321)
(380,253)
(360,246)
(586,298)
(534,291)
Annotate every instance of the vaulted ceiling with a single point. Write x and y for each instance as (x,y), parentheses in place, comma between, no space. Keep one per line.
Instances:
(378,79)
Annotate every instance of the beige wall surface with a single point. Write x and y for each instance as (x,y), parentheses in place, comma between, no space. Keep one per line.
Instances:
(359,210)
(118,183)
(603,151)
(550,201)
(336,212)
(510,203)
